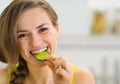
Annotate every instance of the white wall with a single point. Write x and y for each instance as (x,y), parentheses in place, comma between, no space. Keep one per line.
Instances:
(3,4)
(74,16)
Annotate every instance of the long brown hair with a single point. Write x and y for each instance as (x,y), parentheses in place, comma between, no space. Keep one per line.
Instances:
(9,52)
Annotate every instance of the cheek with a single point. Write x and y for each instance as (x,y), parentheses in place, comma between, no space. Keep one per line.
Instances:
(22,47)
(23,50)
(53,41)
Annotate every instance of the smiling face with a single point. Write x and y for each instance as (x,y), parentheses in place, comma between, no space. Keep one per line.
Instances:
(36,33)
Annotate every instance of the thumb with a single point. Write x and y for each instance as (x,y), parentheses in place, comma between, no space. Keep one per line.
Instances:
(50,64)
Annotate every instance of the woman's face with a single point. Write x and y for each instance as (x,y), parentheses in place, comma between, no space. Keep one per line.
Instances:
(36,33)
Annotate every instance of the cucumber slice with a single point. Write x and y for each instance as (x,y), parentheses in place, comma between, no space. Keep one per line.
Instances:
(42,55)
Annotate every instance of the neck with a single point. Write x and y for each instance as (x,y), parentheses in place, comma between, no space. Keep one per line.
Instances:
(39,75)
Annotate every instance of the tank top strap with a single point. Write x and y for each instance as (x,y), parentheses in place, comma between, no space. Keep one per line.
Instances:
(74,68)
(10,72)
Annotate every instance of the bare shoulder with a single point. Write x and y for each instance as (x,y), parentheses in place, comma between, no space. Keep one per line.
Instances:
(83,76)
(3,75)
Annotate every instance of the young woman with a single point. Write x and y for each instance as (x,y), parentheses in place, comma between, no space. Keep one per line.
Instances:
(26,28)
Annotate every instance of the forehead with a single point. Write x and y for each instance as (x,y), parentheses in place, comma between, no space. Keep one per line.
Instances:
(33,17)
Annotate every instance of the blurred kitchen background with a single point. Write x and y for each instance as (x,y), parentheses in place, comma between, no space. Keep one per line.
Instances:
(89,36)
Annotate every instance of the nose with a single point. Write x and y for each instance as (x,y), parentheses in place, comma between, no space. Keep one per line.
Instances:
(36,41)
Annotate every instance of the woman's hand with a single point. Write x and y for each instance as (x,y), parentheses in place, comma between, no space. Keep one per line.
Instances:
(62,70)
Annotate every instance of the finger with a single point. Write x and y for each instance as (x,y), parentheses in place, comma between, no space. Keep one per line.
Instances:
(54,62)
(60,72)
(49,64)
(52,58)
(60,61)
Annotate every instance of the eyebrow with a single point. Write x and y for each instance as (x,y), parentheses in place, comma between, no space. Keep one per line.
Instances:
(21,31)
(39,26)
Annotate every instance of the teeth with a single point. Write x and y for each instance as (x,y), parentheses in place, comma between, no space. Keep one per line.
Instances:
(38,51)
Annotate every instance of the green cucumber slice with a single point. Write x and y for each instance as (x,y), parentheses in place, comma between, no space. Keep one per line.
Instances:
(42,55)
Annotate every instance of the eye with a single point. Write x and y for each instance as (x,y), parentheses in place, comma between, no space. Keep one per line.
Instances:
(43,30)
(22,35)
